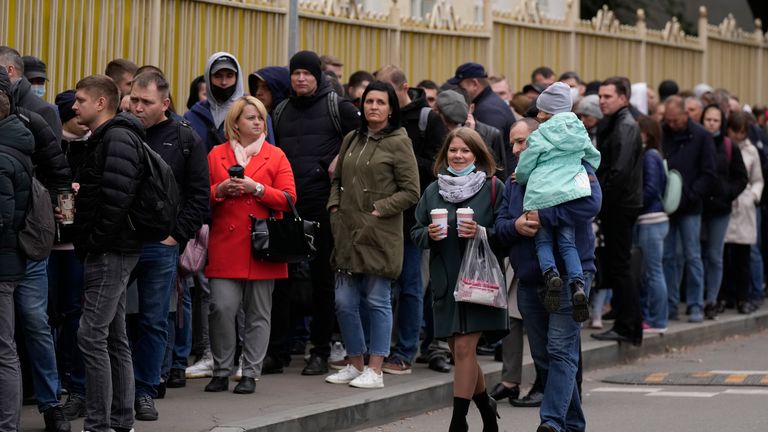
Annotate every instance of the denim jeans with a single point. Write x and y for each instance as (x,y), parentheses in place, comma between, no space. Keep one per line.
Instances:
(410,304)
(179,332)
(31,296)
(554,339)
(713,242)
(685,229)
(65,275)
(653,292)
(757,291)
(10,375)
(374,291)
(104,342)
(566,245)
(155,274)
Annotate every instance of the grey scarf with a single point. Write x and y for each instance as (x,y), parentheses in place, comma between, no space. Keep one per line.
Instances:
(459,189)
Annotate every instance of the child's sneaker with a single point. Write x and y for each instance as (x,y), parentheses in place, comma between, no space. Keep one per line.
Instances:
(368,379)
(554,287)
(344,376)
(579,300)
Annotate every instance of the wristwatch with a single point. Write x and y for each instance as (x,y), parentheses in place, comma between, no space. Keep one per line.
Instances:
(259,190)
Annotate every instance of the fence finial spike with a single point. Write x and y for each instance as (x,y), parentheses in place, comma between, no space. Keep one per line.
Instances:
(702,11)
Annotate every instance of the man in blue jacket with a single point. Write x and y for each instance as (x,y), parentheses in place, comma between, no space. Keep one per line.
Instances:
(554,337)
(690,149)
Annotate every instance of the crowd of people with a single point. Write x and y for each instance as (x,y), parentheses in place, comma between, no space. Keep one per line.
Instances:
(566,179)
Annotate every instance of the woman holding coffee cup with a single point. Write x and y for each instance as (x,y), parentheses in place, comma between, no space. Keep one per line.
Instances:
(463,199)
(249,176)
(375,180)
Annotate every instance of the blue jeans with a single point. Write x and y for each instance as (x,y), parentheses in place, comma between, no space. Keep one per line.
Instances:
(410,304)
(566,245)
(713,243)
(65,275)
(757,292)
(179,334)
(653,292)
(374,291)
(155,274)
(554,339)
(10,373)
(687,230)
(31,297)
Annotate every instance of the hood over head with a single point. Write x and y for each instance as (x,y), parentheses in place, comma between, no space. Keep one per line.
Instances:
(278,79)
(215,62)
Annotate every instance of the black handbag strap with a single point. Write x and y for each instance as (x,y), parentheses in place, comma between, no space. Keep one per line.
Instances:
(290,204)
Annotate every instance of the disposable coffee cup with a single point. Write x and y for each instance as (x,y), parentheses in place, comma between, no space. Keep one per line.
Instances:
(440,217)
(464,215)
(66,203)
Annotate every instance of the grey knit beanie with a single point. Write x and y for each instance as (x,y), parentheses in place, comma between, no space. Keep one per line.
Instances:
(555,99)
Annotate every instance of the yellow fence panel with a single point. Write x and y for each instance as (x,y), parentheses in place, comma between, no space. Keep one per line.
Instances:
(603,56)
(518,50)
(734,67)
(425,55)
(680,64)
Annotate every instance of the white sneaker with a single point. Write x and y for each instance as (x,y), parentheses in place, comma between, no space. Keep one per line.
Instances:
(655,330)
(344,376)
(239,372)
(337,352)
(596,323)
(368,379)
(203,368)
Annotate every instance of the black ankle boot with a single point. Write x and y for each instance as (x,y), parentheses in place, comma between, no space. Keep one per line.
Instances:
(459,417)
(554,286)
(579,301)
(488,411)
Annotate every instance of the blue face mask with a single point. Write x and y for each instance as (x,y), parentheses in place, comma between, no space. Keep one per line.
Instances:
(38,90)
(462,173)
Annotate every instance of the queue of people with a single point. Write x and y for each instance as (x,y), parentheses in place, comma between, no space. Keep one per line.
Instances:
(564,180)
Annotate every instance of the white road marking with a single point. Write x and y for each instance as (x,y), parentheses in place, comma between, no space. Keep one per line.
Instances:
(734,372)
(684,394)
(626,389)
(746,392)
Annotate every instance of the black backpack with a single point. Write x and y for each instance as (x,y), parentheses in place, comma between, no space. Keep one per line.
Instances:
(155,207)
(37,234)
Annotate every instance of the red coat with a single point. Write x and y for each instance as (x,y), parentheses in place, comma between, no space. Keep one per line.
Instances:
(229,244)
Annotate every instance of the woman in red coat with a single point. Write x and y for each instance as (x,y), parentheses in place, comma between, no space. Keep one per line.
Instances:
(236,277)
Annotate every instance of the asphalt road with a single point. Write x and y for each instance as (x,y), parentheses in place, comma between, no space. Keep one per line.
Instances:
(645,408)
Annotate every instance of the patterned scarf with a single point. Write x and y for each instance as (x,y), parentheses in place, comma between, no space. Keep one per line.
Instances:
(459,189)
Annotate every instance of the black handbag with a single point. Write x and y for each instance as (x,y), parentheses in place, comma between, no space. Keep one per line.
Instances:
(290,239)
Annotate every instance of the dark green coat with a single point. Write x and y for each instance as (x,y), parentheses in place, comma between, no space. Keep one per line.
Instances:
(377,172)
(445,258)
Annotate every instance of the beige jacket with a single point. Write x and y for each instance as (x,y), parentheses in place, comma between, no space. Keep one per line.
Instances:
(742,228)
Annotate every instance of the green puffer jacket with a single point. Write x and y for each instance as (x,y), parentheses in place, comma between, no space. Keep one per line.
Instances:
(551,166)
(373,172)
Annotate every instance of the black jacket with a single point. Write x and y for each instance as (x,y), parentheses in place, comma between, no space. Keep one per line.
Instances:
(731,179)
(692,152)
(310,141)
(621,168)
(188,158)
(15,188)
(495,144)
(109,179)
(51,167)
(493,111)
(22,93)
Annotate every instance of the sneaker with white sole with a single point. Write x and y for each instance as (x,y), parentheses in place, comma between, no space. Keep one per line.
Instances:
(368,379)
(337,352)
(344,376)
(203,368)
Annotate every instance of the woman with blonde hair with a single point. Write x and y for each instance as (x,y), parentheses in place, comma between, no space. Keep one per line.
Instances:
(465,179)
(249,176)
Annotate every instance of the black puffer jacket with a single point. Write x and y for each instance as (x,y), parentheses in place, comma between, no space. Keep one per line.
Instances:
(51,166)
(305,132)
(621,169)
(22,93)
(15,187)
(426,144)
(731,179)
(108,179)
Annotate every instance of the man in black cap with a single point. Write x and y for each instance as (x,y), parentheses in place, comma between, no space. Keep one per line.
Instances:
(489,107)
(22,90)
(309,127)
(34,71)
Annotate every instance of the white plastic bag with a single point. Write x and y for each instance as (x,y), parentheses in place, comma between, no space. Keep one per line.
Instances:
(480,280)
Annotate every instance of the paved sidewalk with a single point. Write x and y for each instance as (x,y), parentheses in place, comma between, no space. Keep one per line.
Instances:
(291,402)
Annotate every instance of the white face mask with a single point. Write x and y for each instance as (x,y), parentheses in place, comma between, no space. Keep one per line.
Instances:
(574,94)
(38,90)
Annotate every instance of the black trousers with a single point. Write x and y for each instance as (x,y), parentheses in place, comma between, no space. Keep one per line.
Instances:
(618,274)
(736,273)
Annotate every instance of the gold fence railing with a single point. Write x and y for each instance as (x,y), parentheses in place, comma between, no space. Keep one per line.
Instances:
(78,37)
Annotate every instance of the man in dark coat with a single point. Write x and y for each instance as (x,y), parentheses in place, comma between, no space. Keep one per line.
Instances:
(307,130)
(15,187)
(621,179)
(690,149)
(109,180)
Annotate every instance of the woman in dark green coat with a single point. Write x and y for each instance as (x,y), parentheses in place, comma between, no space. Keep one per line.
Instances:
(464,168)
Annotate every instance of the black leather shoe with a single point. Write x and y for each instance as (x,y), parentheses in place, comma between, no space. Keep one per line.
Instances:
(271,365)
(145,408)
(74,407)
(610,335)
(609,316)
(55,420)
(531,400)
(545,428)
(316,366)
(217,384)
(440,363)
(247,385)
(176,379)
(501,391)
(160,389)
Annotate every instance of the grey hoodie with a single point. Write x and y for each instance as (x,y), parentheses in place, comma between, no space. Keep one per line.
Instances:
(219,111)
